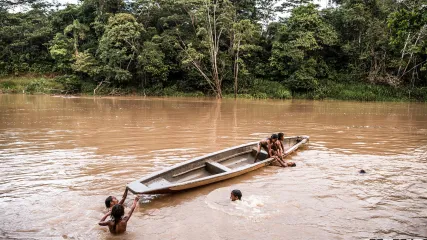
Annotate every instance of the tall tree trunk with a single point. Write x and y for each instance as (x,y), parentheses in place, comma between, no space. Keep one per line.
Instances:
(214,38)
(236,69)
(76,42)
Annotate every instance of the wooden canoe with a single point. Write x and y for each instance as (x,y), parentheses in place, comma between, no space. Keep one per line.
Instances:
(214,167)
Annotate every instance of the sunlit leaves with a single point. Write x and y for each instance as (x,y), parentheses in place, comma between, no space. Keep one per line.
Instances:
(296,50)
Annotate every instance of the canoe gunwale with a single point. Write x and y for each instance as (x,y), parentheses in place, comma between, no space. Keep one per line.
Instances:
(212,178)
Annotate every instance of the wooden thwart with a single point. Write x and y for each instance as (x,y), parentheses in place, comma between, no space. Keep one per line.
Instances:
(215,168)
(200,167)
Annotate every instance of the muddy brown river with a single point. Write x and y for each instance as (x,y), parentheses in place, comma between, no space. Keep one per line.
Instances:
(61,157)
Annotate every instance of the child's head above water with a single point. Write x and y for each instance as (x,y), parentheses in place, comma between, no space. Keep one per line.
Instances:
(236,195)
(111,201)
(291,164)
(117,212)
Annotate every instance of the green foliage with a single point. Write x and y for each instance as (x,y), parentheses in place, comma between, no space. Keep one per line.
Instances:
(357,50)
(87,64)
(29,84)
(408,27)
(357,91)
(172,91)
(61,51)
(78,31)
(87,87)
(268,89)
(297,49)
(70,83)
(23,37)
(151,61)
(118,47)
(37,86)
(8,86)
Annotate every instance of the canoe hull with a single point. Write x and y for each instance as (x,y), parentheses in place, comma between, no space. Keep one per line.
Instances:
(211,168)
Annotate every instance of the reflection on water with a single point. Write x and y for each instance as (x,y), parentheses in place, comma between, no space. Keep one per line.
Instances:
(61,157)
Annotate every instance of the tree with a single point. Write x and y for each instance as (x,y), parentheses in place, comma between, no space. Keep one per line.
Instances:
(408,26)
(118,47)
(78,31)
(244,33)
(296,53)
(61,51)
(364,38)
(23,40)
(211,20)
(151,62)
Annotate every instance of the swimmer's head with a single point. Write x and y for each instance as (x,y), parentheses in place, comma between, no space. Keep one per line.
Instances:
(281,136)
(117,212)
(274,136)
(362,171)
(236,195)
(291,164)
(111,201)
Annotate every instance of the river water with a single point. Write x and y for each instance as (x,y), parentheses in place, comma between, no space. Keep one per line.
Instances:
(61,157)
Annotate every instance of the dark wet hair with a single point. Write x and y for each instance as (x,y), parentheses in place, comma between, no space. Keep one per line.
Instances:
(274,136)
(108,201)
(117,213)
(280,135)
(293,164)
(237,193)
(362,171)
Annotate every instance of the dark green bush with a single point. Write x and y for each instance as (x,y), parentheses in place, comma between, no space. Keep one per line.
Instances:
(71,83)
(7,85)
(269,89)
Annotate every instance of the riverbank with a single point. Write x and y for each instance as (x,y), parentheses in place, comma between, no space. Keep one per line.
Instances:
(260,90)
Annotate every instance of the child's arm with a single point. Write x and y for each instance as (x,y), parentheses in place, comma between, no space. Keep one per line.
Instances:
(279,149)
(131,209)
(269,149)
(283,148)
(125,194)
(102,222)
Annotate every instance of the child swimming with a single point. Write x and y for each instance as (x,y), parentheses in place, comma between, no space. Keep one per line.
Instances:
(236,195)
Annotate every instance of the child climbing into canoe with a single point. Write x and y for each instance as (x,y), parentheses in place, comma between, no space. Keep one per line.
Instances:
(110,201)
(279,161)
(268,145)
(117,224)
(274,147)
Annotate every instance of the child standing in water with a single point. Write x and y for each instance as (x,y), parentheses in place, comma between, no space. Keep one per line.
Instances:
(117,224)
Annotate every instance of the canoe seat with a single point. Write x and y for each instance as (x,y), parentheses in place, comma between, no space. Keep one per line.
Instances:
(215,168)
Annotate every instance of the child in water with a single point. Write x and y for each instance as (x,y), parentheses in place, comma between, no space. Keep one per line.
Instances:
(111,200)
(236,195)
(117,224)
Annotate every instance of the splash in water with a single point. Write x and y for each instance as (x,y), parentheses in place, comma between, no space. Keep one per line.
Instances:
(252,206)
